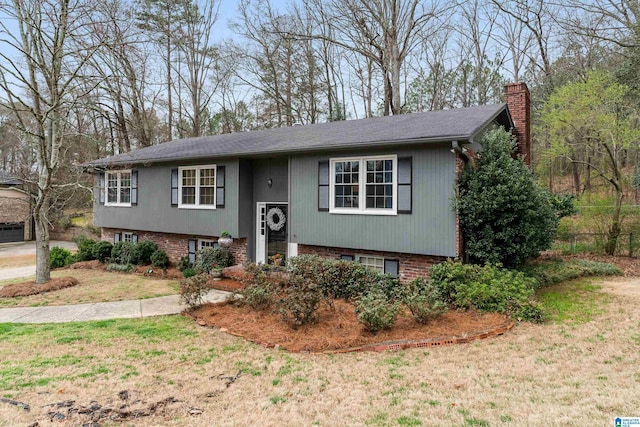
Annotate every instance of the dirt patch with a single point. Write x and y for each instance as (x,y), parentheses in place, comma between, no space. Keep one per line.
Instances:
(338,328)
(31,288)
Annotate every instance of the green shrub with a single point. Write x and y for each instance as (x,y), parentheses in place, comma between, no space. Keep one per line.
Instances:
(376,312)
(143,250)
(189,272)
(486,288)
(102,251)
(505,217)
(556,270)
(193,290)
(60,257)
(125,268)
(530,312)
(160,259)
(85,249)
(423,300)
(341,279)
(300,301)
(258,296)
(123,253)
(206,258)
(184,263)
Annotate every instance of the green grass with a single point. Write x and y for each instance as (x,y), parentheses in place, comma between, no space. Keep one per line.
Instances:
(154,329)
(577,301)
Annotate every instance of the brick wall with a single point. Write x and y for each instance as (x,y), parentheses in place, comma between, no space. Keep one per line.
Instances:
(411,265)
(177,245)
(517,97)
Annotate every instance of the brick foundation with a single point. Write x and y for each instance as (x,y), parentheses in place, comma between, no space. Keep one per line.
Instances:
(411,265)
(177,245)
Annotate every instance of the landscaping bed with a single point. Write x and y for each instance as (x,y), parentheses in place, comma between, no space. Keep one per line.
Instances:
(339,328)
(31,288)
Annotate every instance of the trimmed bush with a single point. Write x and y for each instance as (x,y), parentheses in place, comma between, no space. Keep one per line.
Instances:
(300,302)
(423,300)
(160,259)
(60,257)
(208,257)
(143,251)
(102,251)
(376,312)
(85,249)
(193,290)
(184,263)
(189,272)
(260,287)
(124,268)
(123,253)
(341,279)
(486,288)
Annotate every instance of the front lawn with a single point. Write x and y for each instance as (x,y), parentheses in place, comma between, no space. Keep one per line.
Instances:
(558,373)
(95,286)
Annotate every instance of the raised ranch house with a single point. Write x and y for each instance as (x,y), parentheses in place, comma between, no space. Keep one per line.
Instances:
(377,191)
(15,209)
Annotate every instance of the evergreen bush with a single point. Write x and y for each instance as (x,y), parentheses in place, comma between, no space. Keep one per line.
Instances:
(102,251)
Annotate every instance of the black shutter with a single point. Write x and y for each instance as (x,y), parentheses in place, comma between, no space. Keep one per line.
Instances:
(220,178)
(134,188)
(117,237)
(101,188)
(323,186)
(193,246)
(346,257)
(404,185)
(174,187)
(392,267)
(134,238)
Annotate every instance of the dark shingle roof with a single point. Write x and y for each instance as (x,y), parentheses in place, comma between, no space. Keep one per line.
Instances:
(8,179)
(434,126)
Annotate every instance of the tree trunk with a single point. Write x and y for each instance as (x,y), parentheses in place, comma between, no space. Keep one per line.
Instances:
(614,231)
(43,271)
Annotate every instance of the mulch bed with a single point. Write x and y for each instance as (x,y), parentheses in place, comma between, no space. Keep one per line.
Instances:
(171,273)
(88,265)
(338,329)
(30,288)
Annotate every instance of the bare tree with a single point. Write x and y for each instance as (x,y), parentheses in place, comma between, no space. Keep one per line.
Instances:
(40,66)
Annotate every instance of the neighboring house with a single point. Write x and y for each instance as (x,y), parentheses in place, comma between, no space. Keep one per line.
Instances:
(15,210)
(378,191)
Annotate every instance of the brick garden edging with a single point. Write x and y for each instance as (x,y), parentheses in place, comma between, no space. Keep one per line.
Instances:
(399,344)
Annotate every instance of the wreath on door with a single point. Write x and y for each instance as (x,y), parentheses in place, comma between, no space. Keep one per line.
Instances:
(276,219)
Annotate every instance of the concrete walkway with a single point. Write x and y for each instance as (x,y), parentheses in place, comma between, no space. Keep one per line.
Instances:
(160,306)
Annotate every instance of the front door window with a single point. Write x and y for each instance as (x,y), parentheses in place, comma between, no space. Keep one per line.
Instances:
(276,227)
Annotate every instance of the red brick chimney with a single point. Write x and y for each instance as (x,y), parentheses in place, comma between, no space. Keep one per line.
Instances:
(518,100)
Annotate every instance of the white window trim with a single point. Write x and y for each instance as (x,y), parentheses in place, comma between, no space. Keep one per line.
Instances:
(200,241)
(362,210)
(359,256)
(118,174)
(126,234)
(197,205)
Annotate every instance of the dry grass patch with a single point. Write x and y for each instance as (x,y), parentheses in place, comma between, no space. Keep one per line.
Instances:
(95,286)
(537,375)
(17,261)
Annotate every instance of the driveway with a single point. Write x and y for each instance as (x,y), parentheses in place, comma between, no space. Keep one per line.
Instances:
(8,250)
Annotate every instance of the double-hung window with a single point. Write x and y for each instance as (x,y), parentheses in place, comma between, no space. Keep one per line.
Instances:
(197,187)
(364,185)
(118,188)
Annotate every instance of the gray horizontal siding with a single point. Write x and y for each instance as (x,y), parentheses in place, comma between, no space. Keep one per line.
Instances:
(430,229)
(155,213)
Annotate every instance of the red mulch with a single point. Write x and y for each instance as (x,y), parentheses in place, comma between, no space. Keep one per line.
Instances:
(338,329)
(30,288)
(88,265)
(225,284)
(171,273)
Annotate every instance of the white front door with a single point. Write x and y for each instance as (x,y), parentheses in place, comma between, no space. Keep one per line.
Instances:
(271,231)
